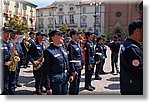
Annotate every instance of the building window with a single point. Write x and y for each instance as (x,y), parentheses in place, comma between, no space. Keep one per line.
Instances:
(50,14)
(6,2)
(97,20)
(61,19)
(71,8)
(118,14)
(71,19)
(50,20)
(41,23)
(97,9)
(16,5)
(60,9)
(41,14)
(24,7)
(84,10)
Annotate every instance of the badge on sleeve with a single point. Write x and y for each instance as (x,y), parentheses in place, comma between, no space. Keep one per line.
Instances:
(136,62)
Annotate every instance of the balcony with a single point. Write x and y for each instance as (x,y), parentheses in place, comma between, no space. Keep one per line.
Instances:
(97,24)
(72,25)
(41,26)
(83,24)
(58,25)
(50,25)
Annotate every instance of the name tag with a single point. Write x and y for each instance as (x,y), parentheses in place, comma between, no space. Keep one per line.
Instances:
(38,48)
(56,55)
(65,53)
(77,48)
(91,46)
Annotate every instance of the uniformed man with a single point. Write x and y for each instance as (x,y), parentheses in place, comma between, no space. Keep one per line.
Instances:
(105,54)
(89,60)
(9,83)
(75,61)
(114,47)
(56,66)
(99,56)
(36,57)
(20,55)
(131,61)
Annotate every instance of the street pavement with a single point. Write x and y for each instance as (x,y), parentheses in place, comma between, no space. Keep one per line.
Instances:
(109,85)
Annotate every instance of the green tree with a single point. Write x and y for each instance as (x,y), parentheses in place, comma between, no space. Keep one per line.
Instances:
(18,24)
(63,28)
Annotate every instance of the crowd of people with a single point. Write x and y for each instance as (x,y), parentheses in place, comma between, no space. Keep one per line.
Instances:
(57,67)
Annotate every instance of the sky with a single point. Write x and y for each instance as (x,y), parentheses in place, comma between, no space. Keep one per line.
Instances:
(41,3)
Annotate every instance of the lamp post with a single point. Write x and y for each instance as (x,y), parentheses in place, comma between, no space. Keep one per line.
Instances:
(80,3)
(95,5)
(100,15)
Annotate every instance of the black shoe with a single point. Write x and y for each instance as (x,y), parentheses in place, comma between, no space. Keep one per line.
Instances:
(92,87)
(43,89)
(118,72)
(89,88)
(98,78)
(38,92)
(18,84)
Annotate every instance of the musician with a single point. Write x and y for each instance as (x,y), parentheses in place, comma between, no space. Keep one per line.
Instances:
(8,76)
(36,57)
(55,66)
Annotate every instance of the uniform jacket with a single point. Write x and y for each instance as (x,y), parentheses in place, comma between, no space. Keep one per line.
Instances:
(74,53)
(89,52)
(55,65)
(131,65)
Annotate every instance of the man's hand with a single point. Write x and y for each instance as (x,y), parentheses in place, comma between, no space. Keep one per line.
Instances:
(97,62)
(71,78)
(74,74)
(83,67)
(89,67)
(49,92)
(36,63)
(9,63)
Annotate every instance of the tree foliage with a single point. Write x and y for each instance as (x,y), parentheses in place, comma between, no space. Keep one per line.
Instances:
(63,28)
(18,24)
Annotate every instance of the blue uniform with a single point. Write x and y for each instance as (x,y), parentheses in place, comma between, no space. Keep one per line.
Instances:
(55,69)
(89,59)
(35,52)
(131,68)
(99,56)
(9,77)
(75,64)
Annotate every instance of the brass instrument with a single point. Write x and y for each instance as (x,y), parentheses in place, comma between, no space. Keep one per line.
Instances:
(15,59)
(41,60)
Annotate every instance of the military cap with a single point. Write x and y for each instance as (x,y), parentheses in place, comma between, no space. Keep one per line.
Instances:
(87,34)
(136,24)
(40,33)
(31,33)
(7,29)
(73,32)
(55,32)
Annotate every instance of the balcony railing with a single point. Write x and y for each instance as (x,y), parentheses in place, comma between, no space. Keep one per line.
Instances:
(49,25)
(72,25)
(41,26)
(83,24)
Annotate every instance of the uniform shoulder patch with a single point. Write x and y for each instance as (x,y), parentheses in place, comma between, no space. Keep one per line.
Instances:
(136,62)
